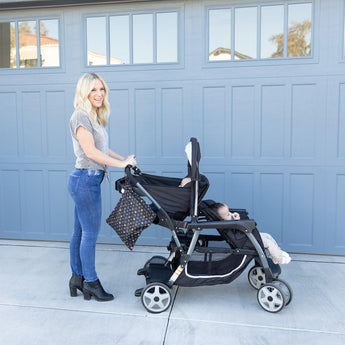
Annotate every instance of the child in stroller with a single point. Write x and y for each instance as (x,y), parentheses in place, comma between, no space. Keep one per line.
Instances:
(278,255)
(196,258)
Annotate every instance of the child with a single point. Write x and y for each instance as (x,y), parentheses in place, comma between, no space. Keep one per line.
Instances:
(278,255)
(184,181)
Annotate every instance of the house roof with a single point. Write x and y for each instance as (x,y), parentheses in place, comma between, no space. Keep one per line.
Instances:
(226,51)
(28,39)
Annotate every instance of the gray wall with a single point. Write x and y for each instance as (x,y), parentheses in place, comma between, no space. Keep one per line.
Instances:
(272,134)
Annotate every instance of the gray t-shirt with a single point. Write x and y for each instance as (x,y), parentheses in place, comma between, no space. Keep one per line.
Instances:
(100,136)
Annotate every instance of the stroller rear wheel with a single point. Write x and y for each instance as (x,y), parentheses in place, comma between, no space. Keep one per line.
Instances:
(256,277)
(156,297)
(271,297)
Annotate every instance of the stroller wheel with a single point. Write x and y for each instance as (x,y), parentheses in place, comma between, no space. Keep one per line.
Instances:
(256,277)
(156,297)
(271,297)
(286,288)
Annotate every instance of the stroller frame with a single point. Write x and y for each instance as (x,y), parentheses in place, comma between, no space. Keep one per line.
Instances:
(162,273)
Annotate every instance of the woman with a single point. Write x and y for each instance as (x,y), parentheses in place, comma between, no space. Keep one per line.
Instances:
(90,144)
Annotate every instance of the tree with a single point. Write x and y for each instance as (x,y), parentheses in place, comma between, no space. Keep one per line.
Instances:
(298,44)
(24,27)
(43,29)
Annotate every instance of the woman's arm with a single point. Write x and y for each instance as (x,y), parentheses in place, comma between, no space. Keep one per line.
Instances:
(115,155)
(87,143)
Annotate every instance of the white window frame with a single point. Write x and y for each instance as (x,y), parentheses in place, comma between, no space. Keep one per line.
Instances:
(313,58)
(39,68)
(137,66)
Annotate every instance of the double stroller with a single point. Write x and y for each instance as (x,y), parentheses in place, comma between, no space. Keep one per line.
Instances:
(198,259)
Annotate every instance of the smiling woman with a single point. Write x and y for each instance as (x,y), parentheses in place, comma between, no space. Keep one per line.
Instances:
(96,95)
(90,142)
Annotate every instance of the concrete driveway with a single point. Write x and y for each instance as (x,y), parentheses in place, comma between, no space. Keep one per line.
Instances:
(36,309)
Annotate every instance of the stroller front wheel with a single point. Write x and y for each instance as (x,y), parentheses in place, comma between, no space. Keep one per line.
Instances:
(156,297)
(271,297)
(286,289)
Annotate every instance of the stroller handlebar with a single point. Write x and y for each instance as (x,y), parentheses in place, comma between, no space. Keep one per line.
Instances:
(128,171)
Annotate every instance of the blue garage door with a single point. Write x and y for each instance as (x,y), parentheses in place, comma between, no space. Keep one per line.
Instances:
(269,115)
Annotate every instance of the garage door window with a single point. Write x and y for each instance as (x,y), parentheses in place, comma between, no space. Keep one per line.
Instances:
(32,43)
(260,32)
(8,54)
(145,38)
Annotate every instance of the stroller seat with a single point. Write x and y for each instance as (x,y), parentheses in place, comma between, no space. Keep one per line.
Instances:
(235,238)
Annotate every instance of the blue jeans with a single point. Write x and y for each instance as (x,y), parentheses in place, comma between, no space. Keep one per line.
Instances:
(84,185)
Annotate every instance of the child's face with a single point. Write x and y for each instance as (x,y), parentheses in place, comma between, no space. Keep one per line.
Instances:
(225,213)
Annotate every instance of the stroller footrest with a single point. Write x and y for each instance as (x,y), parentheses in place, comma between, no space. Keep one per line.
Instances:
(138,292)
(142,272)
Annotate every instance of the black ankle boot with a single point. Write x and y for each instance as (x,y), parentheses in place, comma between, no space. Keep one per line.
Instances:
(96,290)
(76,282)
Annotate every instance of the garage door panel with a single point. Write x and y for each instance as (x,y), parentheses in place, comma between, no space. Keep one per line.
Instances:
(59,220)
(32,124)
(270,205)
(57,133)
(172,122)
(273,121)
(339,237)
(304,118)
(300,210)
(11,203)
(214,121)
(341,122)
(120,122)
(243,122)
(32,197)
(9,132)
(218,186)
(145,123)
(241,191)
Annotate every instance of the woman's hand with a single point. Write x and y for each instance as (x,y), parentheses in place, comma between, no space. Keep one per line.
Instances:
(130,160)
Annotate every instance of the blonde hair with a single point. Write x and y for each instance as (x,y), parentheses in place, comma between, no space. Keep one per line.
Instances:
(81,99)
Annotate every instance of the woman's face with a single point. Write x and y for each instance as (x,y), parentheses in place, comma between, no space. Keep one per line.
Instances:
(96,95)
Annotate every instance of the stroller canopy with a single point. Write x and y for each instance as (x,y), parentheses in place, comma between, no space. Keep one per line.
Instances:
(178,202)
(175,200)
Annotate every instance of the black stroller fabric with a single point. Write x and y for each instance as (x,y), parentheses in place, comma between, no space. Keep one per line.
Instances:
(130,217)
(213,272)
(223,270)
(173,199)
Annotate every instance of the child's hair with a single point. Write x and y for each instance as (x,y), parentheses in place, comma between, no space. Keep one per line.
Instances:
(81,99)
(216,206)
